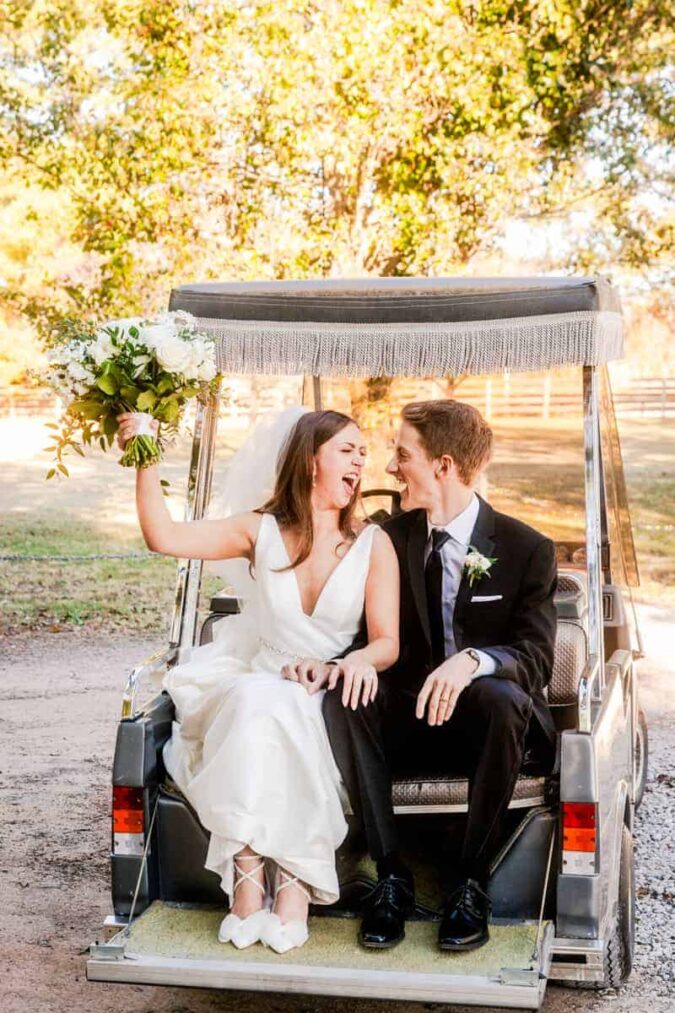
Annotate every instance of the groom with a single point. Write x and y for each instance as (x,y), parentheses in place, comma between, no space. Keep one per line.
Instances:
(466,695)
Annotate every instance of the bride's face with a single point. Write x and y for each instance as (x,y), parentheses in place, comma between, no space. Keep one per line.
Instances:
(337,468)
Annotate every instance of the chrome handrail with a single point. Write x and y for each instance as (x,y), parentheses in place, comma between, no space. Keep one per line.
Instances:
(585,691)
(593,499)
(189,572)
(156,663)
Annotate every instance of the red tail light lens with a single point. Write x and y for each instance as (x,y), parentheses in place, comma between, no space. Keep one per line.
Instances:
(579,826)
(128,813)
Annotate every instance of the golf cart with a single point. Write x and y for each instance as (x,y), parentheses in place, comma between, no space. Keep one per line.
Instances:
(561,888)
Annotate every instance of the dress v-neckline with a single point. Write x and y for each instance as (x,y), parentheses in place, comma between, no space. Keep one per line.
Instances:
(293,574)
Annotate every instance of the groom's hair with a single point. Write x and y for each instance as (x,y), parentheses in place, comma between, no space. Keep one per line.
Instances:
(453,428)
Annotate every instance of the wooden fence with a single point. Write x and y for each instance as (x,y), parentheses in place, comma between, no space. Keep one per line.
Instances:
(541,396)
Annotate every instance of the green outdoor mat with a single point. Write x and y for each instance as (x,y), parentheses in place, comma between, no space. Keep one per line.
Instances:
(171,930)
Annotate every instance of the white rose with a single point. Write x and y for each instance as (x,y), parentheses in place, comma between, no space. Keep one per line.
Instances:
(206,370)
(190,369)
(102,348)
(154,334)
(173,354)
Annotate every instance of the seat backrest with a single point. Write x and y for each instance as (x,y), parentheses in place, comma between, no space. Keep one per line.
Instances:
(571,652)
(571,646)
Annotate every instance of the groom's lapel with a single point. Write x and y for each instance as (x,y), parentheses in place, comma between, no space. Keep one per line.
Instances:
(481,539)
(417,540)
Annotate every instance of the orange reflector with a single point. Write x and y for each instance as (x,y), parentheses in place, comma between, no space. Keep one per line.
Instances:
(578,840)
(128,814)
(578,814)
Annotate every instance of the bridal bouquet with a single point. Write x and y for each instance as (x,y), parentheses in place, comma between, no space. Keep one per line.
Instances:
(151,365)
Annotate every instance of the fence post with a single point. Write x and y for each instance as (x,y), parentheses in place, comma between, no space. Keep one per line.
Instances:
(546,405)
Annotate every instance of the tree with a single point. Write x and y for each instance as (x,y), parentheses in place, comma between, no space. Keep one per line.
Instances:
(186,139)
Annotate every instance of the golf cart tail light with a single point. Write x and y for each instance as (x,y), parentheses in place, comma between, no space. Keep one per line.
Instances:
(128,812)
(579,838)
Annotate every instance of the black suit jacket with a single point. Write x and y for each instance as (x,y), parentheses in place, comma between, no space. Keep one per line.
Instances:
(518,629)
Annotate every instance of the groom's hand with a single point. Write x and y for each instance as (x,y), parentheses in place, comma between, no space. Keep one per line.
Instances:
(441,689)
(310,673)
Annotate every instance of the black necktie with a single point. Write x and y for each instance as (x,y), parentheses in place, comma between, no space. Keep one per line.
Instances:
(433,575)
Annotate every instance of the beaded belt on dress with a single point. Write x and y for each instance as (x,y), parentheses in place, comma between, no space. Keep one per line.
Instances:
(278,650)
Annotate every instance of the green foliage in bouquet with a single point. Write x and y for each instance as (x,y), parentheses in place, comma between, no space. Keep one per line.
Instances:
(154,366)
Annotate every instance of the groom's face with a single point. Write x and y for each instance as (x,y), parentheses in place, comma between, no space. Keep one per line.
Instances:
(412,466)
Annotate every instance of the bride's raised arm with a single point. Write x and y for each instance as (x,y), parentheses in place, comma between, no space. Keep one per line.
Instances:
(229,538)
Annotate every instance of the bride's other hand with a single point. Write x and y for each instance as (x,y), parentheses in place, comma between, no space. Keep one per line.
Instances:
(130,423)
(310,673)
(359,679)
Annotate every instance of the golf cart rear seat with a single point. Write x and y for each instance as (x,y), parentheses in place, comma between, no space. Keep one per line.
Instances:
(434,794)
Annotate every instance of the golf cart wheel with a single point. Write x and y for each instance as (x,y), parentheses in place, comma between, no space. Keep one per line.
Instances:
(641,756)
(618,960)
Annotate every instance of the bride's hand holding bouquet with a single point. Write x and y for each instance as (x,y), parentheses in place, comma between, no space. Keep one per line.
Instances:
(144,367)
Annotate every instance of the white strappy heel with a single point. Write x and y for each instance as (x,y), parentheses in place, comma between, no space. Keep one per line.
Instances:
(283,936)
(242,932)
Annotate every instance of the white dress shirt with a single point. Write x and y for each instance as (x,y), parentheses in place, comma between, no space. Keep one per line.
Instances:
(453,553)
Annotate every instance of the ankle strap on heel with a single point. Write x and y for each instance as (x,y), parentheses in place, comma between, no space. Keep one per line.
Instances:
(291,881)
(242,875)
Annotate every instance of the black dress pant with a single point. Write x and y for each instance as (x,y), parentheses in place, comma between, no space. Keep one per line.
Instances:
(484,740)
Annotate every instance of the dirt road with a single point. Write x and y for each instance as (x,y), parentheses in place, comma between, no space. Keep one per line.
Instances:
(59,700)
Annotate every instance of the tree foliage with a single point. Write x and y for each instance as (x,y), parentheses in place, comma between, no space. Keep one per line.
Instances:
(184,139)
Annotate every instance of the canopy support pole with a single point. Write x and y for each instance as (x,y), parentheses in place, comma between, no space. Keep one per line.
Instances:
(316,391)
(189,576)
(592,481)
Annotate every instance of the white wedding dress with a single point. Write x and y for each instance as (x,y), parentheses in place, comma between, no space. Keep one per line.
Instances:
(250,749)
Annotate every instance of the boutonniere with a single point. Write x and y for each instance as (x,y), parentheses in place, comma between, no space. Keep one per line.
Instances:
(476,565)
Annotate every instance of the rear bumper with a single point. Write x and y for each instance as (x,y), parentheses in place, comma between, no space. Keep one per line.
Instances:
(577,960)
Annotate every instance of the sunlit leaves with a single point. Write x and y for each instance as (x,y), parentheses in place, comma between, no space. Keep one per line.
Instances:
(262,139)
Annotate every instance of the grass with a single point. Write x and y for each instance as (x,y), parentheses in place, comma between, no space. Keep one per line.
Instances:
(118,595)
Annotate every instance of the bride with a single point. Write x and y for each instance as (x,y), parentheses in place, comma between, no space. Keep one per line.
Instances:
(249,749)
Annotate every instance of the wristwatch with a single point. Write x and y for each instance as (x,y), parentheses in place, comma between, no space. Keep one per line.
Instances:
(475,656)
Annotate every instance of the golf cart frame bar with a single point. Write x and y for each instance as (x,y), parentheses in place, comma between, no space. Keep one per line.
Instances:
(411,327)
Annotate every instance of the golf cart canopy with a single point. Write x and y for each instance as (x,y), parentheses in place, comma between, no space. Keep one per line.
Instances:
(407,326)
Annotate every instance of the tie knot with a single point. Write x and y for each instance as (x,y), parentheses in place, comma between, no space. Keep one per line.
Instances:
(438,539)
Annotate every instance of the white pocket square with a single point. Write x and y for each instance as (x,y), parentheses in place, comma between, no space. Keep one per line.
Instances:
(487,597)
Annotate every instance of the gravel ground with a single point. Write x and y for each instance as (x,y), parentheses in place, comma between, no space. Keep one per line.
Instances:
(60,699)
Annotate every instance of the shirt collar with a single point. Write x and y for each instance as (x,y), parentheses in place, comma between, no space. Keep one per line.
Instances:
(461,526)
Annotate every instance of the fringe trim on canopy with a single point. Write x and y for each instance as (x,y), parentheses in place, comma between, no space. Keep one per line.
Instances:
(416,349)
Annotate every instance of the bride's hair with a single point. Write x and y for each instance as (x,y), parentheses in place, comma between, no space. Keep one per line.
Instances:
(291,501)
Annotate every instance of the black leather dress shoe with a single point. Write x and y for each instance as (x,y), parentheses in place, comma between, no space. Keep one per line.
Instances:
(464,925)
(386,909)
